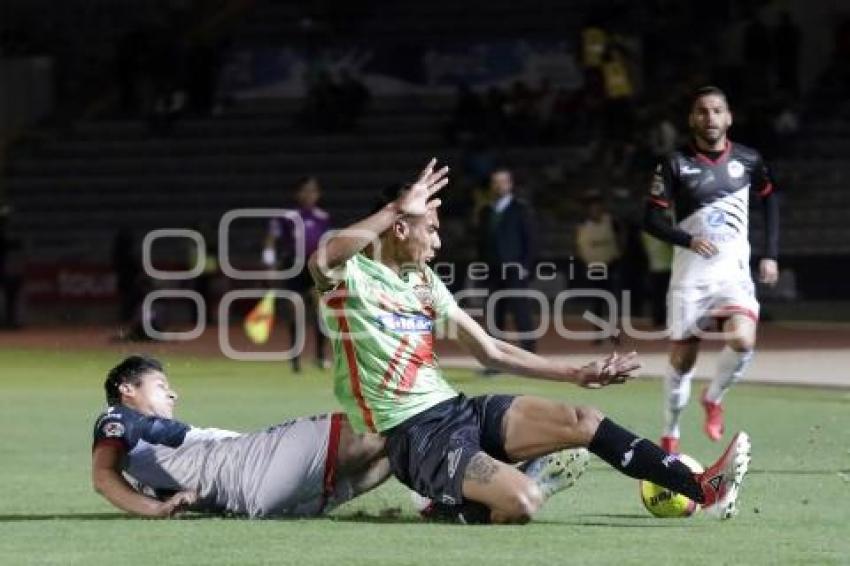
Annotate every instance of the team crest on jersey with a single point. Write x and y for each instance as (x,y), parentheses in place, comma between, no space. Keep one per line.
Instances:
(735,168)
(113,429)
(716,218)
(424,294)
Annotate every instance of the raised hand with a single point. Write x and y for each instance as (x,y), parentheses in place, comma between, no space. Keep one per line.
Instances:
(415,201)
(613,369)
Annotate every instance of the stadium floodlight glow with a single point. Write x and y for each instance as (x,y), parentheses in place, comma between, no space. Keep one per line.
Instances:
(262,274)
(147,246)
(224,325)
(147,315)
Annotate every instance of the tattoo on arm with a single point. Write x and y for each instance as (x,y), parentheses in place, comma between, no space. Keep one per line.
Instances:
(481,468)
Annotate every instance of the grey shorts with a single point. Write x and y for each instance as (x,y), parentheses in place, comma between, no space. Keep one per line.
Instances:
(291,470)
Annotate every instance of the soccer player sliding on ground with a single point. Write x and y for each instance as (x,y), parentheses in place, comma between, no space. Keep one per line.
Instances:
(382,302)
(302,467)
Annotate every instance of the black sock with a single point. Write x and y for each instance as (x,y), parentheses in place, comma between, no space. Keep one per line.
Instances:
(468,512)
(641,459)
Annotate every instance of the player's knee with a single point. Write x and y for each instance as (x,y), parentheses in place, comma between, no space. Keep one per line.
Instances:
(742,343)
(523,502)
(579,423)
(588,419)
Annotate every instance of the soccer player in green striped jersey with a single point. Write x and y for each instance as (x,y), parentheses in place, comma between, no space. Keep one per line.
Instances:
(382,302)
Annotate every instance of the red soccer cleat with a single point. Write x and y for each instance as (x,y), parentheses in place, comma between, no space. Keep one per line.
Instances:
(670,444)
(721,482)
(713,425)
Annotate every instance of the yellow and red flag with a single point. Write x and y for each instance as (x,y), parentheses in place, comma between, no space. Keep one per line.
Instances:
(258,322)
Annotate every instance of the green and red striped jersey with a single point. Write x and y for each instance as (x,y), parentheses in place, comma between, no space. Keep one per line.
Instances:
(382,328)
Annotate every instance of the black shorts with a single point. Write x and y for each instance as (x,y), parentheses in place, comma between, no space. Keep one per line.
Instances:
(429,453)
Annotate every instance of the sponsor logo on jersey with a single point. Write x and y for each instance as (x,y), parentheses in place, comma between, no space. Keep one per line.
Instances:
(113,429)
(715,218)
(424,294)
(415,323)
(735,168)
(453,458)
(690,170)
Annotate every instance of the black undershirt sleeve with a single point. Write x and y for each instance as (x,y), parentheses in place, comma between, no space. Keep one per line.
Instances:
(771,225)
(657,224)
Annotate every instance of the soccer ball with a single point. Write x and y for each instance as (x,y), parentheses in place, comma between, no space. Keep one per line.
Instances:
(664,503)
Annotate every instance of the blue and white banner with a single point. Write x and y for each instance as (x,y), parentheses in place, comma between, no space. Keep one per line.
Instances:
(286,72)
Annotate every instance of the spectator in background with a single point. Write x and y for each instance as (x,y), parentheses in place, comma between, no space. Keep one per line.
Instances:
(660,256)
(280,252)
(632,267)
(663,136)
(598,247)
(506,244)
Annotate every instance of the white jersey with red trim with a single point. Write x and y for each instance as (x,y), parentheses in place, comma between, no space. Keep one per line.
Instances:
(710,199)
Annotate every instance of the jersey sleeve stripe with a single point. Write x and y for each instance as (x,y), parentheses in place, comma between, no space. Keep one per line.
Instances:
(659,202)
(337,304)
(329,477)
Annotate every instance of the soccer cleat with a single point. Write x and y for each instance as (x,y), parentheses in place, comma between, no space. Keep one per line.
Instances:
(670,444)
(557,471)
(722,481)
(713,425)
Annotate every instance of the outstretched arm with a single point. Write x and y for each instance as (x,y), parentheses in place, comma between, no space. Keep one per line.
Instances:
(338,249)
(108,481)
(769,266)
(498,354)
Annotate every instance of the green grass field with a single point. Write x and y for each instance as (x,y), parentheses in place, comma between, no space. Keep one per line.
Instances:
(795,502)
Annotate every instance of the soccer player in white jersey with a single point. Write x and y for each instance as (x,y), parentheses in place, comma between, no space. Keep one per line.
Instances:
(148,464)
(708,184)
(382,303)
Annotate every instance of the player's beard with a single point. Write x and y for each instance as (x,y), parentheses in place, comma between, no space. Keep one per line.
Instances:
(710,138)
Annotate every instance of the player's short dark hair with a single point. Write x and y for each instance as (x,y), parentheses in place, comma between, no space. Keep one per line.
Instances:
(708,90)
(388,194)
(131,370)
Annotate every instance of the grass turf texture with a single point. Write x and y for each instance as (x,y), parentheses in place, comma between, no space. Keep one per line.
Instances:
(794,503)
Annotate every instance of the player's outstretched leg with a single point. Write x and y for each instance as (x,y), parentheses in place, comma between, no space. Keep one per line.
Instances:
(552,473)
(557,471)
(721,482)
(536,425)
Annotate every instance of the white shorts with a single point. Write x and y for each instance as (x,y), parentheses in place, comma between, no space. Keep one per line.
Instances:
(692,310)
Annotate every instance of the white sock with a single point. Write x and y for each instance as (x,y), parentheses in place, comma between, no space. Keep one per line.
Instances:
(730,368)
(677,390)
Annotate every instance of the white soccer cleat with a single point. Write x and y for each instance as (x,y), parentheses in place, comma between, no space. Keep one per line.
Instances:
(722,481)
(557,471)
